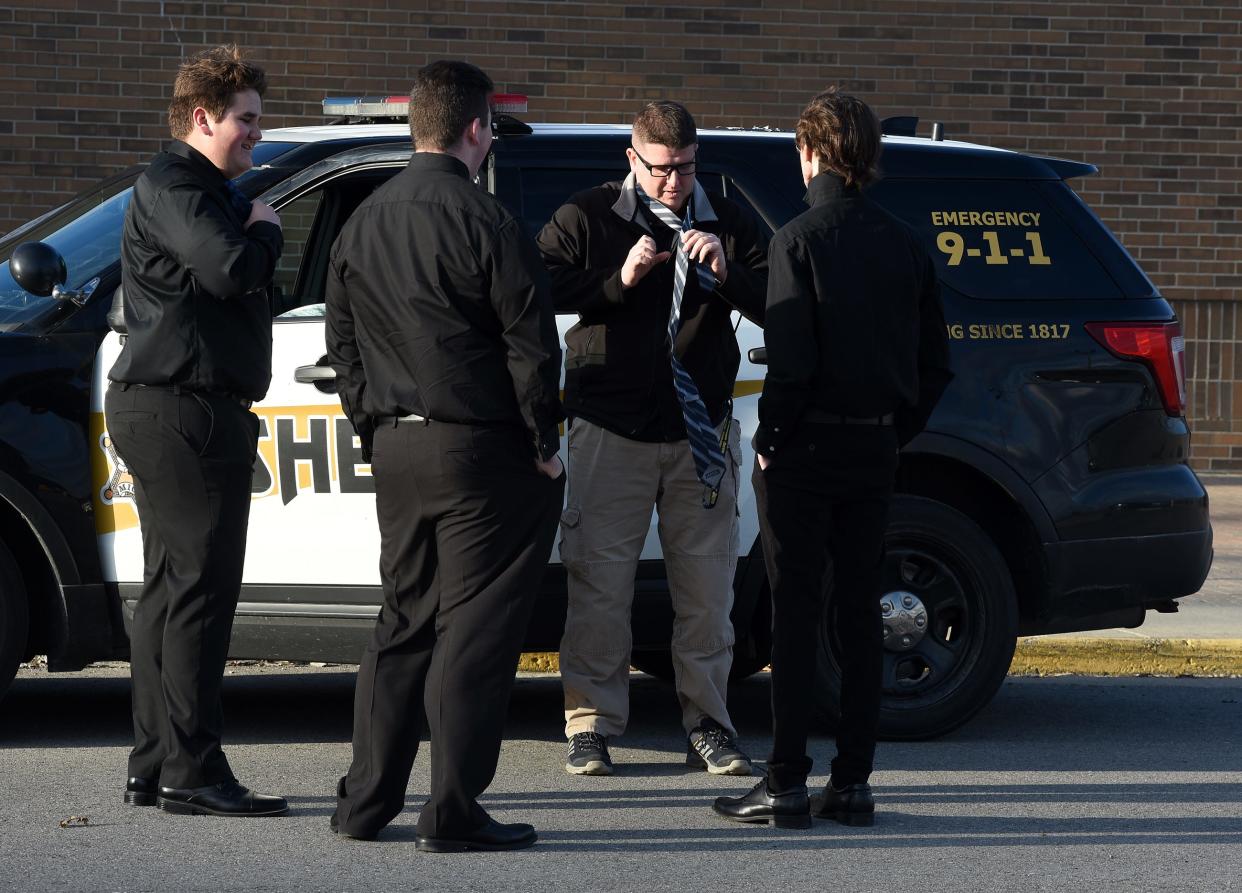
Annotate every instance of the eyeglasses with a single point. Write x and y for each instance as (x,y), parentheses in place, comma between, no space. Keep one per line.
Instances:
(666,170)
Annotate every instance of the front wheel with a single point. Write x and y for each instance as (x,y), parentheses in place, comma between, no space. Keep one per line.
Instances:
(950,623)
(14,618)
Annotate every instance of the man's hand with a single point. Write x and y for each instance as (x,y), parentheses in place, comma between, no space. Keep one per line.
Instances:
(705,248)
(643,256)
(261,211)
(764,462)
(552,468)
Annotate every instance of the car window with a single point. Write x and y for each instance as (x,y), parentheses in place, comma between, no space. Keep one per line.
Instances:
(537,192)
(89,241)
(544,189)
(998,239)
(311,221)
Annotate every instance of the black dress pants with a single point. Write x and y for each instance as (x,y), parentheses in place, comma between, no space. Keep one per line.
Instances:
(466,526)
(823,500)
(192,456)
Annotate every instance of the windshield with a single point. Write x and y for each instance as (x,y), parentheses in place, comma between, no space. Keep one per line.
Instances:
(87,233)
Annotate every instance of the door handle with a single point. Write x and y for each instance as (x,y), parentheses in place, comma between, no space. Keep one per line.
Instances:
(312,374)
(320,375)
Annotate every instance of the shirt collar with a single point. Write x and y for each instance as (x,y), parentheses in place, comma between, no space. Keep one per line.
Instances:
(202,164)
(439,161)
(827,188)
(628,204)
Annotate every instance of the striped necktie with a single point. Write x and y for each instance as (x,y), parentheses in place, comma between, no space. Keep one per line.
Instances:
(707,450)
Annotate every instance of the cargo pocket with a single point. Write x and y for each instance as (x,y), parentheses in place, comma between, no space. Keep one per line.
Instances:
(571,539)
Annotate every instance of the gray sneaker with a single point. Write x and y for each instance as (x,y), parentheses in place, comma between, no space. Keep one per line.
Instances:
(711,748)
(588,755)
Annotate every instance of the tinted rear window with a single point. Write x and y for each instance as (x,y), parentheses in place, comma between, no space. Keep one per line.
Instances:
(1001,239)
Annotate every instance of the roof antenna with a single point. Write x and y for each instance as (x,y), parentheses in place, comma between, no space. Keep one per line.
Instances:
(937,132)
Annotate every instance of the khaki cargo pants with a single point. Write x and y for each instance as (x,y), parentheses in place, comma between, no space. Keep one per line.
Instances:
(614,483)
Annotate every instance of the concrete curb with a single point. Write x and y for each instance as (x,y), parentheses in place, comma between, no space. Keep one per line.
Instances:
(1085,656)
(1099,656)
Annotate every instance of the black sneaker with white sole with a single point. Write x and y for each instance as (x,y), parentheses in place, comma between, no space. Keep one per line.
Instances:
(710,747)
(588,755)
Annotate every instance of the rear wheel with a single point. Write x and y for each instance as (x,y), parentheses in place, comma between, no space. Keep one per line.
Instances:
(14,618)
(950,616)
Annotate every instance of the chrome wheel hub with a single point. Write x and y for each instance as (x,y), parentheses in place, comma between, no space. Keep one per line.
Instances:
(904,618)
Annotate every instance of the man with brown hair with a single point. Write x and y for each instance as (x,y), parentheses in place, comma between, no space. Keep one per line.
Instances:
(197,259)
(857,358)
(448,358)
(653,266)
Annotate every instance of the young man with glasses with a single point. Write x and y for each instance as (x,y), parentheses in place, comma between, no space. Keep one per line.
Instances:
(653,267)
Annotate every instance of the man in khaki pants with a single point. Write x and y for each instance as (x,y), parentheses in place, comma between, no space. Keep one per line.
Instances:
(653,266)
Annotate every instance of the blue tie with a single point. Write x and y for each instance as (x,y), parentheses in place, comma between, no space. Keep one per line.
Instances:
(241,204)
(704,446)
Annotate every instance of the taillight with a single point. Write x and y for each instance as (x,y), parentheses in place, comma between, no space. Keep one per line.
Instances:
(1157,345)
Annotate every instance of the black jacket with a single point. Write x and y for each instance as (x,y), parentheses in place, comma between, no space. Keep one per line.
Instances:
(617,372)
(438,305)
(197,308)
(854,322)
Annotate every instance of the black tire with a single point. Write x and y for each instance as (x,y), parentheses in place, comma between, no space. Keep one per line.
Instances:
(957,661)
(14,618)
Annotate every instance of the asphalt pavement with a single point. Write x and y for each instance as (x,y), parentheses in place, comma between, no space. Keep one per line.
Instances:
(1061,783)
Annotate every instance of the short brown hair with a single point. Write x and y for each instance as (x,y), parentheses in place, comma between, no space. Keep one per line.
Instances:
(665,123)
(445,98)
(844,132)
(211,80)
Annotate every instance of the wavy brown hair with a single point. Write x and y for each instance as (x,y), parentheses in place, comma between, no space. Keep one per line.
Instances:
(210,80)
(844,133)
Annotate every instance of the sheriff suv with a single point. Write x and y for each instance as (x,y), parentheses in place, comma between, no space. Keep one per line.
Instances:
(1049,493)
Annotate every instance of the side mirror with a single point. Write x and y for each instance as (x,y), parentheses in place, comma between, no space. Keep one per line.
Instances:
(38,268)
(758,356)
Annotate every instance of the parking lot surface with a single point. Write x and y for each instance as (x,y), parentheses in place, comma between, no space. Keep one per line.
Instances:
(1119,784)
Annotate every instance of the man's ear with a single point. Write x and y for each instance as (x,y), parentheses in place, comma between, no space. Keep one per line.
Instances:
(476,130)
(202,120)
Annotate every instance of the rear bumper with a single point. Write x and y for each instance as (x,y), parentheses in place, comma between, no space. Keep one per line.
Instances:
(1115,580)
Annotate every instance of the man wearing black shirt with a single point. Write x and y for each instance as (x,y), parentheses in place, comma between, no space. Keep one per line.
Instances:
(196,262)
(857,358)
(618,254)
(443,337)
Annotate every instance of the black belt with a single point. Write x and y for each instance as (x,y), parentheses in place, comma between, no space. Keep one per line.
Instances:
(177,390)
(836,418)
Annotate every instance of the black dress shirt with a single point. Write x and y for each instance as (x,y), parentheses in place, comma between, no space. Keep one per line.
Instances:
(438,306)
(197,308)
(854,325)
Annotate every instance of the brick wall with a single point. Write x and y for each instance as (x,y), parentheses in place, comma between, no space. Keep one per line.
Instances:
(1147,91)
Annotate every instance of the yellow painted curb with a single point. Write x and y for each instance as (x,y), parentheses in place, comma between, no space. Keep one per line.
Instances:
(1056,655)
(1063,655)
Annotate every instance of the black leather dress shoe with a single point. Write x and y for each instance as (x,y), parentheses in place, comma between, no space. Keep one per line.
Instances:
(140,791)
(226,798)
(851,805)
(492,836)
(784,809)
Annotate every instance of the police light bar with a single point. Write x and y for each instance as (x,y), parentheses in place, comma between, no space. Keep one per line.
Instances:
(399,106)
